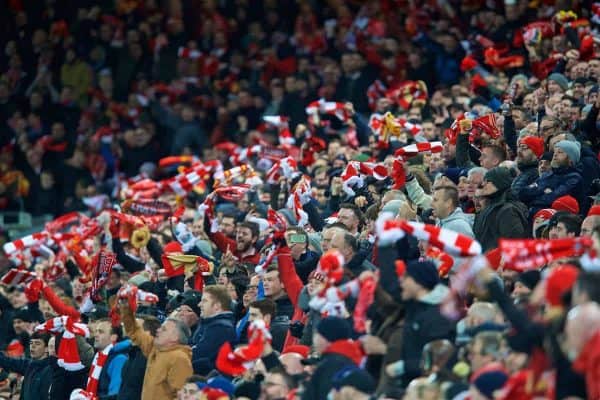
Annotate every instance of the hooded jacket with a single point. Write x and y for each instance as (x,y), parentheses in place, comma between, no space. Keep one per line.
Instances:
(210,335)
(110,380)
(502,218)
(167,369)
(549,187)
(338,355)
(423,323)
(459,222)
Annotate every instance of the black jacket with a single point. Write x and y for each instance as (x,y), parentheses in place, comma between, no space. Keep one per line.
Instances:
(528,175)
(281,322)
(423,323)
(133,375)
(502,218)
(549,187)
(63,382)
(207,340)
(37,375)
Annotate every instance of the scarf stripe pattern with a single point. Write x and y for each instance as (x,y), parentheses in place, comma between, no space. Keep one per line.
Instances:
(96,369)
(389,230)
(522,255)
(67,353)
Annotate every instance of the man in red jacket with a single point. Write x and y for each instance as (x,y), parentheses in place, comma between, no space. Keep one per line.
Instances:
(243,247)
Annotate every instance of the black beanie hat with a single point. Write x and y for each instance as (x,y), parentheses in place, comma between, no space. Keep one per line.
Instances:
(529,278)
(424,273)
(500,177)
(334,328)
(191,299)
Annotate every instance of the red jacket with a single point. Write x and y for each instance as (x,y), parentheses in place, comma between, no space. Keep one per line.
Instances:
(224,243)
(293,286)
(588,364)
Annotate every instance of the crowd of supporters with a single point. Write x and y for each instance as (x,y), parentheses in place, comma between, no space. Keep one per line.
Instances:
(296,199)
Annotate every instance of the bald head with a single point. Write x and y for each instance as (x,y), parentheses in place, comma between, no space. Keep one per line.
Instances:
(589,224)
(583,322)
(292,363)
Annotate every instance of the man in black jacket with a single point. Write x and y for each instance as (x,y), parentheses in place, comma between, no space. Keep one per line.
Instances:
(36,370)
(503,217)
(421,295)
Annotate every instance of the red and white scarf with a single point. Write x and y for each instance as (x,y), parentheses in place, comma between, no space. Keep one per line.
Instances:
(416,148)
(390,230)
(524,254)
(68,352)
(96,369)
(355,173)
(15,277)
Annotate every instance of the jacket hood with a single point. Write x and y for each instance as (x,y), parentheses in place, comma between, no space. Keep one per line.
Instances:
(456,215)
(122,346)
(436,296)
(347,348)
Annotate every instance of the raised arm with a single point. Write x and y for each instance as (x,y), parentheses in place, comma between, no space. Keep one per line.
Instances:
(138,336)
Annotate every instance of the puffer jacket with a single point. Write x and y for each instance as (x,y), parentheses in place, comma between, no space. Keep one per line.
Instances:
(528,175)
(549,187)
(423,323)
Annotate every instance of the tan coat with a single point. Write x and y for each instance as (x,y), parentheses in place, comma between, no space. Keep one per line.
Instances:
(166,370)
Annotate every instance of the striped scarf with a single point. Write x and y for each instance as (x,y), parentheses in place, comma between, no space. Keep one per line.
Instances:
(96,369)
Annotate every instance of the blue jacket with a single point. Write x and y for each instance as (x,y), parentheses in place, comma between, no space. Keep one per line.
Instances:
(110,377)
(549,187)
(210,335)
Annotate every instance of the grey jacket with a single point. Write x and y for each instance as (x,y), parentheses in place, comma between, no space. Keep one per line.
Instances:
(458,222)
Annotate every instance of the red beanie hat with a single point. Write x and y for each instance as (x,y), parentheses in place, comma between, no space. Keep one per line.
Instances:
(172,247)
(566,203)
(560,280)
(595,210)
(536,144)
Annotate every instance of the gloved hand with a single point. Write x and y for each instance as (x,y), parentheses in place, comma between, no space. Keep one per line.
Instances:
(296,329)
(33,290)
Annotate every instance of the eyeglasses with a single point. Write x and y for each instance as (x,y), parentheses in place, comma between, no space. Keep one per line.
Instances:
(267,383)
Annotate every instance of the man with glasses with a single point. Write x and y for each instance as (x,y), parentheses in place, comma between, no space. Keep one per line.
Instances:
(549,127)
